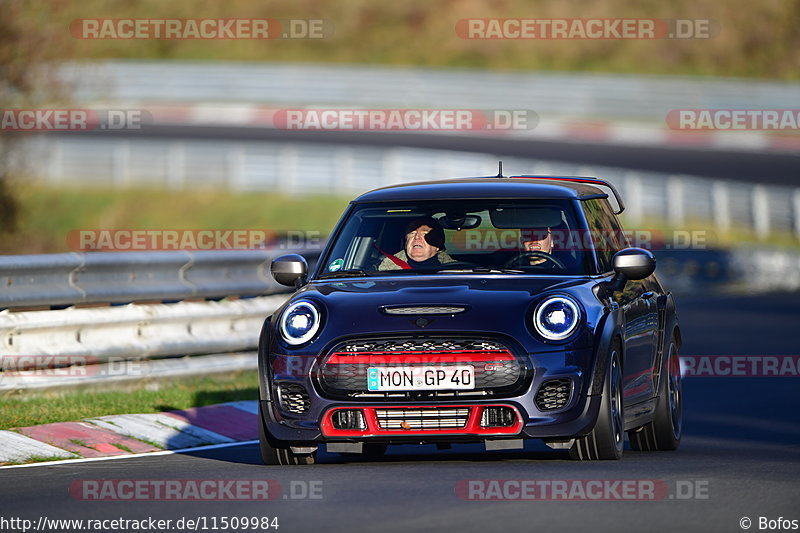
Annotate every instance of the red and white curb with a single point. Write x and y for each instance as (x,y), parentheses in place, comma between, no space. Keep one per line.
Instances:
(125,435)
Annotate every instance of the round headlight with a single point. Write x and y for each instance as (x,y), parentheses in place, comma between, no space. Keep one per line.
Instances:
(299,322)
(556,318)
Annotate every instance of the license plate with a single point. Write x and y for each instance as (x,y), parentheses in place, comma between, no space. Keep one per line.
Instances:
(421,378)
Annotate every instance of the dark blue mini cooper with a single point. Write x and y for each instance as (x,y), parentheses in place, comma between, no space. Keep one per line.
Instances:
(487,310)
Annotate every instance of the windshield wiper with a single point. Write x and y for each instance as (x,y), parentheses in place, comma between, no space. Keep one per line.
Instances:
(349,273)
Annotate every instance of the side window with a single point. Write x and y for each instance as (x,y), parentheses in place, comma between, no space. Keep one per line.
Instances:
(605,230)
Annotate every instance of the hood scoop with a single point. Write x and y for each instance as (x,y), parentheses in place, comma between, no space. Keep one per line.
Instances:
(412,310)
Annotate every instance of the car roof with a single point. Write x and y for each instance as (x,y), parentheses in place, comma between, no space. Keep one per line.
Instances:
(487,187)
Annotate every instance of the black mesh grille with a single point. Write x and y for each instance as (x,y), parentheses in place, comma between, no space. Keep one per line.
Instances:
(294,398)
(493,374)
(553,394)
(419,345)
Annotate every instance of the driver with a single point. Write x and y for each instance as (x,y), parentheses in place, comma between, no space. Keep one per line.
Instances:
(536,240)
(423,246)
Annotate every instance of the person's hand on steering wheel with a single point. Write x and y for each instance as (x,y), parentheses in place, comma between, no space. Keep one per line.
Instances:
(524,259)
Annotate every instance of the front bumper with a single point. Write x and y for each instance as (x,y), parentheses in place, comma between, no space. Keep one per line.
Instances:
(576,418)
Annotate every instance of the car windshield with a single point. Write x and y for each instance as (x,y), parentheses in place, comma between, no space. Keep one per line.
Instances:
(465,236)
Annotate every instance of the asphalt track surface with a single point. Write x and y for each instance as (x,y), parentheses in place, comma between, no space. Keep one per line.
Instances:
(740,449)
(751,167)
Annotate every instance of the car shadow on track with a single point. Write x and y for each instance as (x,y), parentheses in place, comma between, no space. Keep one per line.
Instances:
(533,451)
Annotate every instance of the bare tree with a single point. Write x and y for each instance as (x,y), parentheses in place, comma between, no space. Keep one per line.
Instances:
(30,43)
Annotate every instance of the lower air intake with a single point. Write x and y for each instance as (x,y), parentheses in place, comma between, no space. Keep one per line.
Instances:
(434,418)
(294,398)
(553,394)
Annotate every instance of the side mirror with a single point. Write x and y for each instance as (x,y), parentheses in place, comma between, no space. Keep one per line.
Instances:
(289,270)
(631,264)
(634,263)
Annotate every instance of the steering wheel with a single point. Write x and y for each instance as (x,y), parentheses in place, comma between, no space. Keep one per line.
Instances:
(524,258)
(455,265)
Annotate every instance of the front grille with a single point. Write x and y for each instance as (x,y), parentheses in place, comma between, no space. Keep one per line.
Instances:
(425,310)
(419,345)
(497,370)
(294,398)
(553,394)
(429,418)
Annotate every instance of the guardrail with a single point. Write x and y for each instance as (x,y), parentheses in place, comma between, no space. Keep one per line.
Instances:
(603,96)
(162,316)
(346,170)
(124,277)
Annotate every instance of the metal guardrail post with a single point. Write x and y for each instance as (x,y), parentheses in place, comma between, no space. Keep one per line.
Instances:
(176,165)
(675,201)
(796,213)
(720,199)
(634,199)
(761,222)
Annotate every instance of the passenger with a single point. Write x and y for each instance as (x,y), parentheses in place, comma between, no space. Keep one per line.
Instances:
(423,246)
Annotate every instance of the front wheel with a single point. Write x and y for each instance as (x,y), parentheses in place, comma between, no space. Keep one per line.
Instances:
(608,436)
(664,432)
(274,453)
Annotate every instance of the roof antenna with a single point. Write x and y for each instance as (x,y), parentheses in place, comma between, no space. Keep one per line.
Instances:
(500,170)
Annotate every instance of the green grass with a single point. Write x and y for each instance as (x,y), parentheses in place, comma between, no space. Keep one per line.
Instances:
(751,39)
(33,459)
(30,410)
(49,214)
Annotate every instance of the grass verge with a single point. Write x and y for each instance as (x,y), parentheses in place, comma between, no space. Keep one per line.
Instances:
(48,214)
(32,410)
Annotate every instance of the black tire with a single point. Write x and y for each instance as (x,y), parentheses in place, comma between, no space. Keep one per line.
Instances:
(273,453)
(607,438)
(664,432)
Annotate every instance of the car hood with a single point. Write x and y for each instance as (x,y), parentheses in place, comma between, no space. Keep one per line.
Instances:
(499,304)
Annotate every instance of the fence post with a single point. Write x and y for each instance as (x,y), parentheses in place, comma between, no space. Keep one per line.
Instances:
(796,213)
(720,200)
(236,159)
(287,169)
(675,211)
(634,199)
(176,166)
(121,163)
(343,183)
(760,211)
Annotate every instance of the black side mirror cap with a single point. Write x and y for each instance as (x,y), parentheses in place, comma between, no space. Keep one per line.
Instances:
(290,270)
(634,263)
(630,264)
